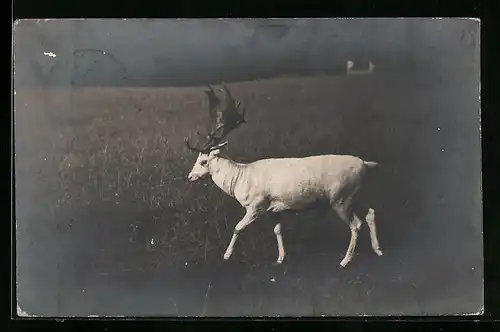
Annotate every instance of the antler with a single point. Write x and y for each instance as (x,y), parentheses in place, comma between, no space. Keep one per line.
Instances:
(224,120)
(192,148)
(231,117)
(213,104)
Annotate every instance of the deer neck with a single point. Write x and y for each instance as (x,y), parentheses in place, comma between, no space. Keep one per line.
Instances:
(226,174)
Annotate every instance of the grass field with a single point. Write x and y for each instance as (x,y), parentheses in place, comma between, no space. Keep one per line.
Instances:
(102,206)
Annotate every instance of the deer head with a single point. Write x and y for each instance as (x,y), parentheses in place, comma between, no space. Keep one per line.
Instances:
(224,118)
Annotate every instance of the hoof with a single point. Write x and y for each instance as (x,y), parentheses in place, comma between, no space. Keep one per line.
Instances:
(378,252)
(227,256)
(278,262)
(343,264)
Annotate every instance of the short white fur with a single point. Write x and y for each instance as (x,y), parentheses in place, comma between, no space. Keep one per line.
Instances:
(275,185)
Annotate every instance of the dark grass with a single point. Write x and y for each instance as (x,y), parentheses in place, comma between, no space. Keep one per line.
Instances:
(107,225)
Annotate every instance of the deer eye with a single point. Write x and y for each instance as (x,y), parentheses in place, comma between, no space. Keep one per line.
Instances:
(203,163)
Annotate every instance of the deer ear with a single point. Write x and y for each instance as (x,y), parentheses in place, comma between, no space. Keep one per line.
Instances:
(220,145)
(214,153)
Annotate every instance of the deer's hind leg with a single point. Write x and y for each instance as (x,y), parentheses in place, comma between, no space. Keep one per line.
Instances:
(363,208)
(370,220)
(345,213)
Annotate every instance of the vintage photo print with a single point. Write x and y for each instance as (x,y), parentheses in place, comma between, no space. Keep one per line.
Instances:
(247,167)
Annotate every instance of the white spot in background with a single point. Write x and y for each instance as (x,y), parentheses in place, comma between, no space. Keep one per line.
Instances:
(152,241)
(438,128)
(186,263)
(52,55)
(22,313)
(273,280)
(14,93)
(103,52)
(45,158)
(442,150)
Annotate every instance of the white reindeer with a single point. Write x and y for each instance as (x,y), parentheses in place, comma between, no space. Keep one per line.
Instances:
(280,184)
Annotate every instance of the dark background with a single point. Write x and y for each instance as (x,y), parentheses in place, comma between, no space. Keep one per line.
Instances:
(105,227)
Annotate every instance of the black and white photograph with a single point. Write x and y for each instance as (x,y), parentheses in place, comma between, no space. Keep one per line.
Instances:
(247,167)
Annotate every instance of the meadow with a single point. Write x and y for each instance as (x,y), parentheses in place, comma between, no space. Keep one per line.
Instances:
(100,181)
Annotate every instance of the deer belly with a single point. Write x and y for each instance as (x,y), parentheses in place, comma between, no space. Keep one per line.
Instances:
(277,206)
(283,205)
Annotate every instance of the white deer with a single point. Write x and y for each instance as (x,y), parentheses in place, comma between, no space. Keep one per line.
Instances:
(281,184)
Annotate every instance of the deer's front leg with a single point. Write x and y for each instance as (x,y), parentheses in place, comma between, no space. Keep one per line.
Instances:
(279,239)
(250,215)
